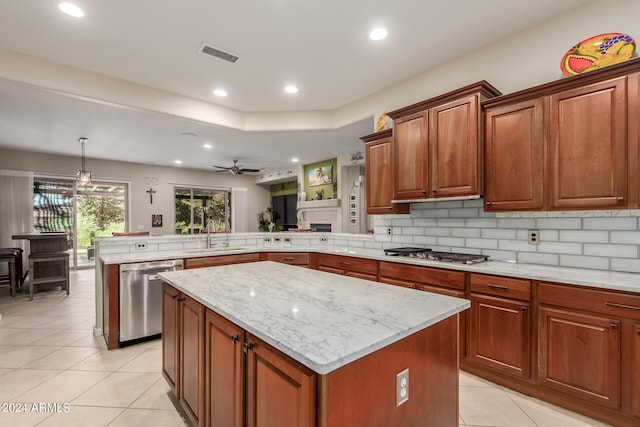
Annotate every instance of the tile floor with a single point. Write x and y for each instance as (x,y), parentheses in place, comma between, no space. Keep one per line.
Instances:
(48,355)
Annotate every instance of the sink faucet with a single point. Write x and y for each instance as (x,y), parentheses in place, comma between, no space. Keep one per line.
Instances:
(211,227)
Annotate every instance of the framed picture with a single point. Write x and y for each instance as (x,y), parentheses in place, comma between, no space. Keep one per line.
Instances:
(156,220)
(320,176)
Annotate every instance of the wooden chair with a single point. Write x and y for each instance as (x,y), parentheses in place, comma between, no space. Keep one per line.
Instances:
(48,268)
(13,256)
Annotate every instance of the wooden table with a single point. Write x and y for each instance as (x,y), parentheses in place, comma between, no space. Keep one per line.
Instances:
(48,241)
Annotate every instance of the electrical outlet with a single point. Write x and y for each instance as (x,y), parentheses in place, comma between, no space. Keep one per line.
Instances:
(534,237)
(324,240)
(277,240)
(287,241)
(141,245)
(389,231)
(402,387)
(266,240)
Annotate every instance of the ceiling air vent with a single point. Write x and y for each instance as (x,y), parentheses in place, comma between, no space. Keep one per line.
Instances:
(218,53)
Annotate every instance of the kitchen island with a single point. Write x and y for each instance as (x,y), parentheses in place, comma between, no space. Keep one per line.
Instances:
(308,348)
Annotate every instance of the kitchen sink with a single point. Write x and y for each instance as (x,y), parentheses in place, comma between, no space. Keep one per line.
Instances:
(215,249)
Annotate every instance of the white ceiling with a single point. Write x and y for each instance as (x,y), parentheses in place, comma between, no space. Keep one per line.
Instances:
(322,47)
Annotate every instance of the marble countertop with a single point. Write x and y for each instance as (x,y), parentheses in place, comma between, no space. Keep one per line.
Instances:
(573,276)
(320,319)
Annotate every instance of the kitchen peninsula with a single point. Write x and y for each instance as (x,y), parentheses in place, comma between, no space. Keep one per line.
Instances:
(309,347)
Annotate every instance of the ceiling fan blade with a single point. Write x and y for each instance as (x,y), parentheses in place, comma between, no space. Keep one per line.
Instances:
(249,170)
(221,167)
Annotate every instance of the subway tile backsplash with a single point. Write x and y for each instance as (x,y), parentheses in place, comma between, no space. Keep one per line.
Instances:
(603,240)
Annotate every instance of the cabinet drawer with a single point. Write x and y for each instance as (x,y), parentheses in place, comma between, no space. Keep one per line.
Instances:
(501,286)
(422,275)
(293,258)
(605,302)
(210,261)
(348,263)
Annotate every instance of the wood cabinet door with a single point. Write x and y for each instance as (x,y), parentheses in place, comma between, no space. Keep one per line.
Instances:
(411,159)
(291,258)
(514,153)
(224,385)
(170,346)
(191,357)
(280,391)
(501,334)
(588,146)
(455,154)
(579,354)
(635,370)
(379,176)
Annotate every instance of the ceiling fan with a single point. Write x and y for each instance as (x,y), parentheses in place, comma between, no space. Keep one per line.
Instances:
(235,169)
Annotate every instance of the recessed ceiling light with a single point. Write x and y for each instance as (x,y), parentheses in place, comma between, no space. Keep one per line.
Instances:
(378,34)
(295,160)
(177,162)
(71,9)
(291,89)
(207,146)
(220,92)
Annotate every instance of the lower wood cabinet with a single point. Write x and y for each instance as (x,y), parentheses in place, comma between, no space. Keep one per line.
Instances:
(182,345)
(280,391)
(361,268)
(500,332)
(580,355)
(635,370)
(210,261)
(292,258)
(224,404)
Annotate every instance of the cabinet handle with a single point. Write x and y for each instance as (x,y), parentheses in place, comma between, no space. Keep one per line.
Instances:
(613,325)
(638,330)
(619,199)
(344,263)
(180,299)
(502,288)
(487,203)
(247,346)
(287,258)
(174,297)
(235,338)
(434,191)
(424,191)
(630,307)
(524,309)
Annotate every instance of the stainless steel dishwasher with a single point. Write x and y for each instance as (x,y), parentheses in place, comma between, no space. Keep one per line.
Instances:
(141,298)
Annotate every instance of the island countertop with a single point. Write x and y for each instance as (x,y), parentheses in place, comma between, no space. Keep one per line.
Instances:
(322,320)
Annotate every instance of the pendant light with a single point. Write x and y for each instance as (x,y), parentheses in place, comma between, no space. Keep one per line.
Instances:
(83,176)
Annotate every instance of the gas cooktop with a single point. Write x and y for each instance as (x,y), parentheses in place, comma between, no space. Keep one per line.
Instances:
(424,253)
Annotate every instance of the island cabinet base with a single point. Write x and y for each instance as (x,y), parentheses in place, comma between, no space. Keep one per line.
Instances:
(363,393)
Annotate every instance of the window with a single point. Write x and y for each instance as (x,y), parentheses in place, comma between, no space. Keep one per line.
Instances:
(82,211)
(195,207)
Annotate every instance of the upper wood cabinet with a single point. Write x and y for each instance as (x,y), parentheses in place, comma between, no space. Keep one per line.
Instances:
(588,147)
(379,176)
(514,152)
(568,144)
(436,145)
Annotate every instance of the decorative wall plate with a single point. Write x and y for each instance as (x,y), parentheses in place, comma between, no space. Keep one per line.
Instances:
(597,52)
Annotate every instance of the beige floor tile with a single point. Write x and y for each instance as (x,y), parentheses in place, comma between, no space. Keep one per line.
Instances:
(158,396)
(63,388)
(149,418)
(117,390)
(487,406)
(64,358)
(18,356)
(29,336)
(108,360)
(23,419)
(466,379)
(18,381)
(547,415)
(82,416)
(90,341)
(4,371)
(63,338)
(149,361)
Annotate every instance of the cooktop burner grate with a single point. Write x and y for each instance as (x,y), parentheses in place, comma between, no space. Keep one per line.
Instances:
(424,253)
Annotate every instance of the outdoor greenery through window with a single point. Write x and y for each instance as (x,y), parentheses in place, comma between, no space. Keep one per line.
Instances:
(196,206)
(100,209)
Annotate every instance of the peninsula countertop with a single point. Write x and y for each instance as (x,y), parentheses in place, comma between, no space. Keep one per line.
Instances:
(322,320)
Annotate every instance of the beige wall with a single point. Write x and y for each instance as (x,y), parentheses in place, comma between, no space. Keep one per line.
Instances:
(140,176)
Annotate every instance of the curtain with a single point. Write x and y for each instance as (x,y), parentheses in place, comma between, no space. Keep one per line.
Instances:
(16,210)
(239,214)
